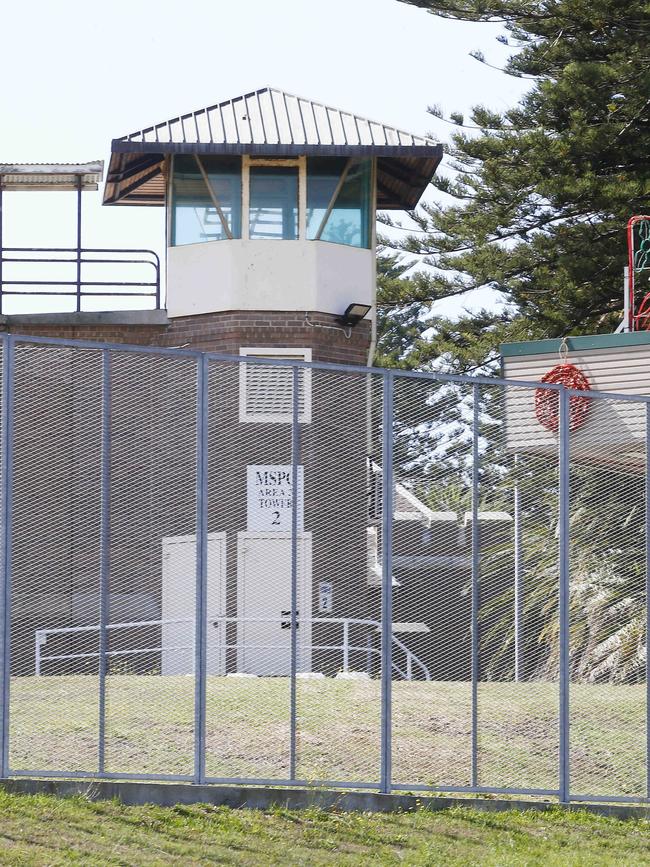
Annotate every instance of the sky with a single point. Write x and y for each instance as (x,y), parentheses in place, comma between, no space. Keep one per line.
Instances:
(77,74)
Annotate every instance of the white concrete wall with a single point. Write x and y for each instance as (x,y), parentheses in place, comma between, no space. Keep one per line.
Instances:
(268,275)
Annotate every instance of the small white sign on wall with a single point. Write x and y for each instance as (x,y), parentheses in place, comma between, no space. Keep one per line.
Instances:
(325,597)
(269,498)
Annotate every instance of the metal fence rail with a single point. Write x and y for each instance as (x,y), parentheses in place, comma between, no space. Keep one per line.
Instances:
(19,264)
(247,570)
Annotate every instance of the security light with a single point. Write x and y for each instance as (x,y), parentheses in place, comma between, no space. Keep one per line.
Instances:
(354,313)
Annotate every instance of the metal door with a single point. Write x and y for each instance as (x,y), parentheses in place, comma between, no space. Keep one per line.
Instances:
(264,603)
(179,602)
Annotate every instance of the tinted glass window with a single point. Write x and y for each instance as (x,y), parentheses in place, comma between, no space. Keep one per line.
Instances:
(274,202)
(201,212)
(338,201)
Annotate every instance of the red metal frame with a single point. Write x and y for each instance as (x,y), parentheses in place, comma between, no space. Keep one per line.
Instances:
(637,321)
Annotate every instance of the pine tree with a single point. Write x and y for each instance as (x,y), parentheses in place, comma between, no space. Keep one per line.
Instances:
(534,204)
(536,198)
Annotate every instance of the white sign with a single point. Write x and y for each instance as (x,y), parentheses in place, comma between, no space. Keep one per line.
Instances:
(325,597)
(269,497)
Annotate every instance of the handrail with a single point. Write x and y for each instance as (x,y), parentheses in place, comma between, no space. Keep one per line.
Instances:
(412,660)
(82,256)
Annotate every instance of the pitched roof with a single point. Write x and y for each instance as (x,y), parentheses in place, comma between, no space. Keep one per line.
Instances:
(273,117)
(273,123)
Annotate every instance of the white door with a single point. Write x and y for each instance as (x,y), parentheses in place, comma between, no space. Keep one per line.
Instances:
(264,603)
(179,604)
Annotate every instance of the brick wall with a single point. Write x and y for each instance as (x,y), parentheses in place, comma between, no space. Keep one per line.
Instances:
(224,333)
(57,472)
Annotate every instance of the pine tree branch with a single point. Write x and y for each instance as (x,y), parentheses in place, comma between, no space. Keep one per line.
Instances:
(504,69)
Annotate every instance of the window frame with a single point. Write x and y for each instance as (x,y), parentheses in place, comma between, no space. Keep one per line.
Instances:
(366,231)
(249,162)
(170,216)
(287,352)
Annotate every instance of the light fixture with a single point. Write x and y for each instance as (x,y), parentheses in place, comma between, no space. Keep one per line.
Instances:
(354,313)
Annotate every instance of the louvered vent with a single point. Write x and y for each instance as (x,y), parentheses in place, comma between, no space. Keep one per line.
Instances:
(266,390)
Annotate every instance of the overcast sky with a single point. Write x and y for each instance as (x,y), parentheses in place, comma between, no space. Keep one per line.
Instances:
(77,74)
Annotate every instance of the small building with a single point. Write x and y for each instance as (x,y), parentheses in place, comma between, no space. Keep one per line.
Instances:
(613,432)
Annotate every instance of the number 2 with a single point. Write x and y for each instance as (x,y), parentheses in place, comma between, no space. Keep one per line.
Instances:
(276,519)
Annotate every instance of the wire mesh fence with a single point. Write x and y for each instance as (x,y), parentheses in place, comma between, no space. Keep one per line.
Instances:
(223,569)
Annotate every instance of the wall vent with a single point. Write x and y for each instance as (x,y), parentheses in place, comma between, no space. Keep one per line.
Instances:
(266,390)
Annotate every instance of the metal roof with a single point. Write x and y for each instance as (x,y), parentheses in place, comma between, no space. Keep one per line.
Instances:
(273,123)
(51,176)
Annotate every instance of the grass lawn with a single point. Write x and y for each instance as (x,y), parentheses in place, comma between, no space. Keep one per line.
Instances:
(150,724)
(43,830)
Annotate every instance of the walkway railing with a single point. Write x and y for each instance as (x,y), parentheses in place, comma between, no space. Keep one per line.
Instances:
(26,258)
(412,664)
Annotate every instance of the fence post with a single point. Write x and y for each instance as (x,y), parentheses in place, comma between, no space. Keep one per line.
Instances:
(564,722)
(105,541)
(387,581)
(6,443)
(519,580)
(200,650)
(295,494)
(647,594)
(476,542)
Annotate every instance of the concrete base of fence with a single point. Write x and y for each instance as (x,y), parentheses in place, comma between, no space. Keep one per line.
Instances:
(264,797)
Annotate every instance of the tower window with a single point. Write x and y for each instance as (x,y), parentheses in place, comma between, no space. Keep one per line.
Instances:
(273,206)
(338,201)
(216,198)
(266,390)
(206,199)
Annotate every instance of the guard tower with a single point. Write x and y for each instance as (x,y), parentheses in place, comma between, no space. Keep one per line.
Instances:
(270,202)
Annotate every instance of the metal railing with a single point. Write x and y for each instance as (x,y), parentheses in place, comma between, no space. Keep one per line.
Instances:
(412,662)
(78,288)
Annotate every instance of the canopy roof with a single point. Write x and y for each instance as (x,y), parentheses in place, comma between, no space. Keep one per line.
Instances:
(51,176)
(270,122)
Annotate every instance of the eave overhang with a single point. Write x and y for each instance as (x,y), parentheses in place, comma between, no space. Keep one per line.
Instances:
(271,123)
(136,176)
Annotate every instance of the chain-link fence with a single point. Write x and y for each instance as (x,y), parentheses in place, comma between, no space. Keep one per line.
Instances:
(254,570)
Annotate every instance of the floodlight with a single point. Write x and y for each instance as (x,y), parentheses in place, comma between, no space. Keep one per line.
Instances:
(354,313)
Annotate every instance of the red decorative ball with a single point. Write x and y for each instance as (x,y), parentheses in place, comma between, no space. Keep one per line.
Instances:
(547,401)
